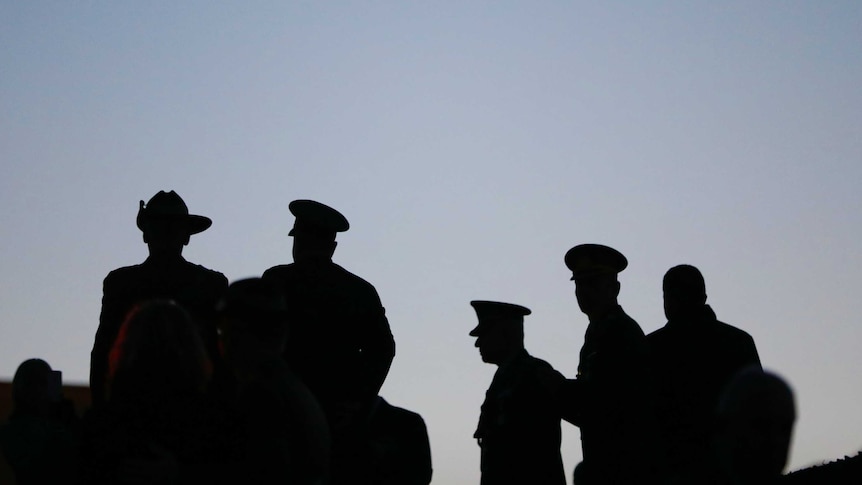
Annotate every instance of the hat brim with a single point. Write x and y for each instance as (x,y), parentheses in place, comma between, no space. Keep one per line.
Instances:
(195,224)
(198,224)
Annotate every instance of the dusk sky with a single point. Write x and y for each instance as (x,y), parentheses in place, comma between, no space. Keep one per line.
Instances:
(470,144)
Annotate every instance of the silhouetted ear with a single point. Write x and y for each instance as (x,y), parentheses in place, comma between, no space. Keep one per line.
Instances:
(616,288)
(186,240)
(332,248)
(144,236)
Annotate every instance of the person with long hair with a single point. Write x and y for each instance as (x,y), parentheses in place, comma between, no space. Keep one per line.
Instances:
(156,423)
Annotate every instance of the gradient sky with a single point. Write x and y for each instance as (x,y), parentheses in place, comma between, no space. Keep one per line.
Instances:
(470,144)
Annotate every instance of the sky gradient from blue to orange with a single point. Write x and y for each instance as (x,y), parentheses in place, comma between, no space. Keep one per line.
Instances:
(469,146)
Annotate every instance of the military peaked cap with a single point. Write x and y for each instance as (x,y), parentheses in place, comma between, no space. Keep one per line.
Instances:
(594,259)
(316,219)
(489,312)
(167,206)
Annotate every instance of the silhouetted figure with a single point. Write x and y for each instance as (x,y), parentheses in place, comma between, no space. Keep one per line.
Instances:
(167,227)
(383,445)
(39,442)
(283,433)
(156,425)
(755,424)
(340,345)
(611,400)
(519,427)
(846,471)
(695,356)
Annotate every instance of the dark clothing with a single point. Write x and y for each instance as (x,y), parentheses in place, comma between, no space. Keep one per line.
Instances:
(694,359)
(390,448)
(146,429)
(196,288)
(519,428)
(612,402)
(284,437)
(340,343)
(39,450)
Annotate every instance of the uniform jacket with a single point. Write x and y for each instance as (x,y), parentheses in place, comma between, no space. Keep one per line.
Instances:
(340,343)
(612,402)
(519,427)
(195,287)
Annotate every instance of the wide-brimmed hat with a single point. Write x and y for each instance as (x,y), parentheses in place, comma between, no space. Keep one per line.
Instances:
(167,206)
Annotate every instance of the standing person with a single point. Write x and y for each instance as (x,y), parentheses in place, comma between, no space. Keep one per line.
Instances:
(695,356)
(167,227)
(340,344)
(610,400)
(519,428)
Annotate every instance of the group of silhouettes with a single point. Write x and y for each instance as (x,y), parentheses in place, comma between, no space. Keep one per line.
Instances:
(688,404)
(272,379)
(276,379)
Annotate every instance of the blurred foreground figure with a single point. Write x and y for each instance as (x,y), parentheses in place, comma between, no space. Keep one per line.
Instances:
(756,414)
(156,424)
(385,445)
(519,428)
(167,227)
(283,435)
(611,400)
(39,442)
(695,356)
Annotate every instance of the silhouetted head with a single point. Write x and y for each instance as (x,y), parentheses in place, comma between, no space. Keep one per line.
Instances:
(755,425)
(252,315)
(36,388)
(167,224)
(314,230)
(594,270)
(158,352)
(684,291)
(500,332)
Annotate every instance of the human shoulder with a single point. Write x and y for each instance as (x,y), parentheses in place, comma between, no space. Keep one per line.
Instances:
(538,364)
(124,275)
(279,271)
(658,334)
(619,326)
(354,282)
(730,332)
(397,415)
(210,273)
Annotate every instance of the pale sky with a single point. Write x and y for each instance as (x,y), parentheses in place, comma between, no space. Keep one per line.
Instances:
(470,144)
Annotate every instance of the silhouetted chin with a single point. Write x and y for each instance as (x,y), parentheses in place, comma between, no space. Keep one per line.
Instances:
(487,359)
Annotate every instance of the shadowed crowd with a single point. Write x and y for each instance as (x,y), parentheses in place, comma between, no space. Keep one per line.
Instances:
(276,379)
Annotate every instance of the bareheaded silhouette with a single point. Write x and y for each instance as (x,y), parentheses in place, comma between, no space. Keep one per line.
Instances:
(694,356)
